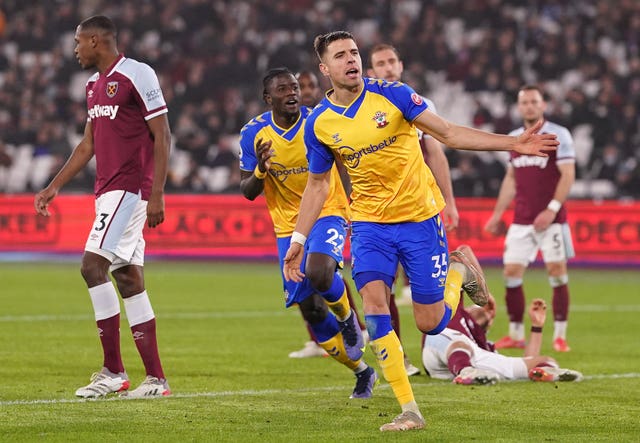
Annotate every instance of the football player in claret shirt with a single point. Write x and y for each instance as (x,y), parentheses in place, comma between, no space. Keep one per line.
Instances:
(370,126)
(273,161)
(128,132)
(540,187)
(463,354)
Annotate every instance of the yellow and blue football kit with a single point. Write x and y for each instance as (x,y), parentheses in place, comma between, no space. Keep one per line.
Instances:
(283,188)
(395,198)
(395,205)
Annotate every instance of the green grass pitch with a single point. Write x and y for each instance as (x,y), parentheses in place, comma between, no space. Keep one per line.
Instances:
(224,338)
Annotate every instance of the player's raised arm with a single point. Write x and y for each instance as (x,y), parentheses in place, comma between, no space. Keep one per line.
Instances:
(313,198)
(74,164)
(463,137)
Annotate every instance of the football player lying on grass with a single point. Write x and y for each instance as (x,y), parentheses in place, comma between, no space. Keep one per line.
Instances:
(462,352)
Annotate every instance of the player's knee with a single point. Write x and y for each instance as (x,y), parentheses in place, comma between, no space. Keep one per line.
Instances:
(93,274)
(129,282)
(314,309)
(320,278)
(558,280)
(512,282)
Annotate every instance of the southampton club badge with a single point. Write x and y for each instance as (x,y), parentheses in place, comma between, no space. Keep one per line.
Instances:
(381,119)
(112,89)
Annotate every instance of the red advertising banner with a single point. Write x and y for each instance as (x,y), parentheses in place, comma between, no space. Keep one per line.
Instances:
(224,226)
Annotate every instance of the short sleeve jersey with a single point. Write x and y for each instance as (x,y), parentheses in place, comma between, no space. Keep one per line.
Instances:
(287,177)
(119,104)
(375,139)
(537,177)
(464,323)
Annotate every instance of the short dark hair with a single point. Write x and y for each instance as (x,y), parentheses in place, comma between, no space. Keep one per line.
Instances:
(273,73)
(321,42)
(532,87)
(100,22)
(381,47)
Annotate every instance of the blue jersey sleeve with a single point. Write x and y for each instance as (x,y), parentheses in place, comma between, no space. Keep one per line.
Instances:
(408,101)
(248,159)
(319,156)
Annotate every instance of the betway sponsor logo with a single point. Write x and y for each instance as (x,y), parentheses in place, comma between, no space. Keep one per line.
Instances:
(352,156)
(524,161)
(103,111)
(281,173)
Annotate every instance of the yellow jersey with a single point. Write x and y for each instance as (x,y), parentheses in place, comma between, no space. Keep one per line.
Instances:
(375,139)
(287,177)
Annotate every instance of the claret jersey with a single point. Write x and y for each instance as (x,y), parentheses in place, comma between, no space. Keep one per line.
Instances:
(119,104)
(377,143)
(287,177)
(537,177)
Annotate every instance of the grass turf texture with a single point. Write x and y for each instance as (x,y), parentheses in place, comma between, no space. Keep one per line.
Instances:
(224,338)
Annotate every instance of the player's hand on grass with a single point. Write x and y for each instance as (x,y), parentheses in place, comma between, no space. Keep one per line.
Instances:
(292,262)
(532,143)
(538,312)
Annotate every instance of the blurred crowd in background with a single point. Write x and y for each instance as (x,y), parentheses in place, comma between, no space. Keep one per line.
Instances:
(469,57)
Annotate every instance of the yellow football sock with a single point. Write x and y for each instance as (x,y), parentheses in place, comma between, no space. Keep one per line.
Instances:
(390,355)
(340,308)
(452,287)
(335,348)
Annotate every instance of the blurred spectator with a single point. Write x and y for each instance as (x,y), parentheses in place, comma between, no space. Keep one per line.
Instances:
(469,57)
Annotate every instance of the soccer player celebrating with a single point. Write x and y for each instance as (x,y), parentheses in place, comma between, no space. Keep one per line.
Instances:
(540,186)
(128,132)
(463,354)
(272,160)
(369,125)
(386,64)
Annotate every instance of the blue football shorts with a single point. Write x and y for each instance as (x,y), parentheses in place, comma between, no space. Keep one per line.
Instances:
(421,248)
(326,237)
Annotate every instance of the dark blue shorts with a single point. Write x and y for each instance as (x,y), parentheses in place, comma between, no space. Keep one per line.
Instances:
(326,237)
(421,248)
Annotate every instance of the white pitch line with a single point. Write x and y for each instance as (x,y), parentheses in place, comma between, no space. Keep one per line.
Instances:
(256,314)
(171,316)
(252,392)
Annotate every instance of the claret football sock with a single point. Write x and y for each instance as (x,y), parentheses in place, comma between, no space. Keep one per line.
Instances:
(106,307)
(143,327)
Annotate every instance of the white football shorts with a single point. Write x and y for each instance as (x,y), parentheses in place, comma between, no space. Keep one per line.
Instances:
(522,244)
(436,347)
(116,233)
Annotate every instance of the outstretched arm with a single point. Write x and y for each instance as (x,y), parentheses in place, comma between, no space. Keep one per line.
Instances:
(463,137)
(74,164)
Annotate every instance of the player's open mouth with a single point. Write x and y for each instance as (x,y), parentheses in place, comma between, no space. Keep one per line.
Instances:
(352,73)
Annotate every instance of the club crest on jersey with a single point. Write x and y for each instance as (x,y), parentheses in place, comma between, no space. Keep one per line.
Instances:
(112,89)
(381,119)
